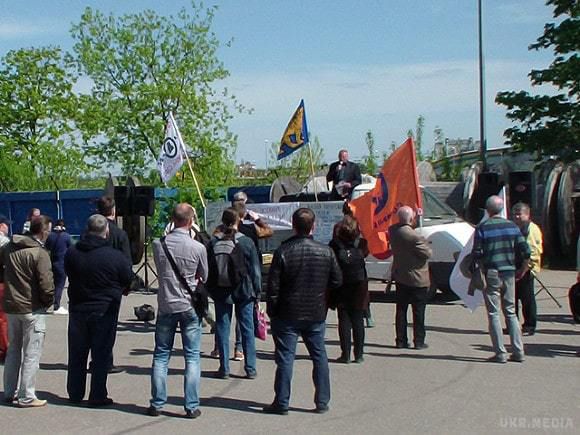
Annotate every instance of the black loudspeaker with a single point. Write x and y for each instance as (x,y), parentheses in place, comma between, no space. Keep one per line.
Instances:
(122,201)
(144,201)
(521,188)
(487,185)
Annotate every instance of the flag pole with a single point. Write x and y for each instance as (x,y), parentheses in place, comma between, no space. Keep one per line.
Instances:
(195,180)
(184,151)
(312,170)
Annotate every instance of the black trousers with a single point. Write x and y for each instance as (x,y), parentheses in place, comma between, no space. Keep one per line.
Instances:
(525,294)
(350,319)
(417,298)
(92,332)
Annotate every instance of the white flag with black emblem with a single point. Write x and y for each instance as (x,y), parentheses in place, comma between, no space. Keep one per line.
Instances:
(172,151)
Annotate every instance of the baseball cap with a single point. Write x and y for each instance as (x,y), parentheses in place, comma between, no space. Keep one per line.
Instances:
(4,220)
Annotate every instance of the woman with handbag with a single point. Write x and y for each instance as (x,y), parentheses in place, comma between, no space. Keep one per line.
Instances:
(353,297)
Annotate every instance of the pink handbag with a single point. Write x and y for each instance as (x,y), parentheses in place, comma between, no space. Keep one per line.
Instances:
(260,323)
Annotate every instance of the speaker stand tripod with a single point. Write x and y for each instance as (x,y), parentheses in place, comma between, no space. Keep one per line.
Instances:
(145,266)
(543,287)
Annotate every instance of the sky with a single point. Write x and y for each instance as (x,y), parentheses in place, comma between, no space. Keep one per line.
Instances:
(359,65)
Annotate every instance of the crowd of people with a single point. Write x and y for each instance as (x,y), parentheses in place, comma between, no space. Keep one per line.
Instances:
(305,280)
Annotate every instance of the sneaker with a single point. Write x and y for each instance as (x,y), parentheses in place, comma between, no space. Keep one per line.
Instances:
(215,353)
(321,409)
(275,409)
(9,400)
(517,357)
(62,311)
(528,331)
(238,355)
(342,360)
(221,375)
(500,358)
(420,346)
(192,413)
(370,322)
(400,345)
(252,375)
(153,412)
(36,403)
(359,360)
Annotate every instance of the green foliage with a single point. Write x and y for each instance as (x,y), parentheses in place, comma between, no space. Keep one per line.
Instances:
(296,164)
(39,147)
(143,66)
(419,137)
(550,124)
(450,171)
(369,163)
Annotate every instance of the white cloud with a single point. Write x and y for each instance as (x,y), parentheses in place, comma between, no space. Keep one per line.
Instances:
(11,29)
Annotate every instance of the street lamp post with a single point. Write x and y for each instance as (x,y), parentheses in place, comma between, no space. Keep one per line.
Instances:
(482,138)
(266,152)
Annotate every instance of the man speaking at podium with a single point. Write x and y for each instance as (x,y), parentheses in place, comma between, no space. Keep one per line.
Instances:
(344,175)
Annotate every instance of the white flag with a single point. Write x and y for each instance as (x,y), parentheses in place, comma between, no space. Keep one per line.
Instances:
(172,150)
(458,282)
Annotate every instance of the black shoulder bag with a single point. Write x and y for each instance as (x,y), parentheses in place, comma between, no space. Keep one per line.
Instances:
(199,299)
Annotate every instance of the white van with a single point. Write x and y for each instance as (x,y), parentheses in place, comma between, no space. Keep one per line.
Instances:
(445,231)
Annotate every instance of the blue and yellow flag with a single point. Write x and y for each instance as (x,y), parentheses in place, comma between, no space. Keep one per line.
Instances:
(296,134)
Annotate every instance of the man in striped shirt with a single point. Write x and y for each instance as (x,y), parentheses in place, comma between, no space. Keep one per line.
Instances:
(498,246)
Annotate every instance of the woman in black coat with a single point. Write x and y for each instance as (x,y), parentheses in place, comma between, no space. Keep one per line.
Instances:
(352,298)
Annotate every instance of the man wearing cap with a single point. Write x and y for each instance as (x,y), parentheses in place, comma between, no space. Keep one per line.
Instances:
(4,222)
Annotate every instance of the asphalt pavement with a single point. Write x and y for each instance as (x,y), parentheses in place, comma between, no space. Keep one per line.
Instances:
(448,388)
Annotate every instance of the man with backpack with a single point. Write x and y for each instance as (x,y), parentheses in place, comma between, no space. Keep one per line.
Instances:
(235,281)
(302,273)
(181,264)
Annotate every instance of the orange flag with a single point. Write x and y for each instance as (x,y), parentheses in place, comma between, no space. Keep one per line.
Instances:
(397,185)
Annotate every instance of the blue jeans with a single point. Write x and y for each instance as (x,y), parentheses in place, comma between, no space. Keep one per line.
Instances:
(285,333)
(190,327)
(500,291)
(245,317)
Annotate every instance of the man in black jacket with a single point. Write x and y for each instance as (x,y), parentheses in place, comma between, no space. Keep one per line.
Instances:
(119,240)
(345,176)
(98,275)
(117,236)
(302,272)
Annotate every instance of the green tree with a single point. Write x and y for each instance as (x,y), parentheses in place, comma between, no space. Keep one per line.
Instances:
(39,146)
(419,137)
(144,66)
(370,161)
(296,164)
(550,124)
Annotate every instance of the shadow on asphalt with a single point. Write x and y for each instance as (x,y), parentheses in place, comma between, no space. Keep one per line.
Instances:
(56,400)
(556,318)
(456,330)
(418,355)
(241,405)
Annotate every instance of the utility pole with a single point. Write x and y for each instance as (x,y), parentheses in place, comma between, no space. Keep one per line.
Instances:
(482,138)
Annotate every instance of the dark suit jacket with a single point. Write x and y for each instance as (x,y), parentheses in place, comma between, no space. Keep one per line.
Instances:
(351,175)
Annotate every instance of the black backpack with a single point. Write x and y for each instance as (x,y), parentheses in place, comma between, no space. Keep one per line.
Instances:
(229,262)
(351,261)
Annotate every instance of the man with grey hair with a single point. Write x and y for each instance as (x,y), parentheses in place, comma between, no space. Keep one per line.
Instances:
(498,244)
(410,271)
(98,276)
(29,291)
